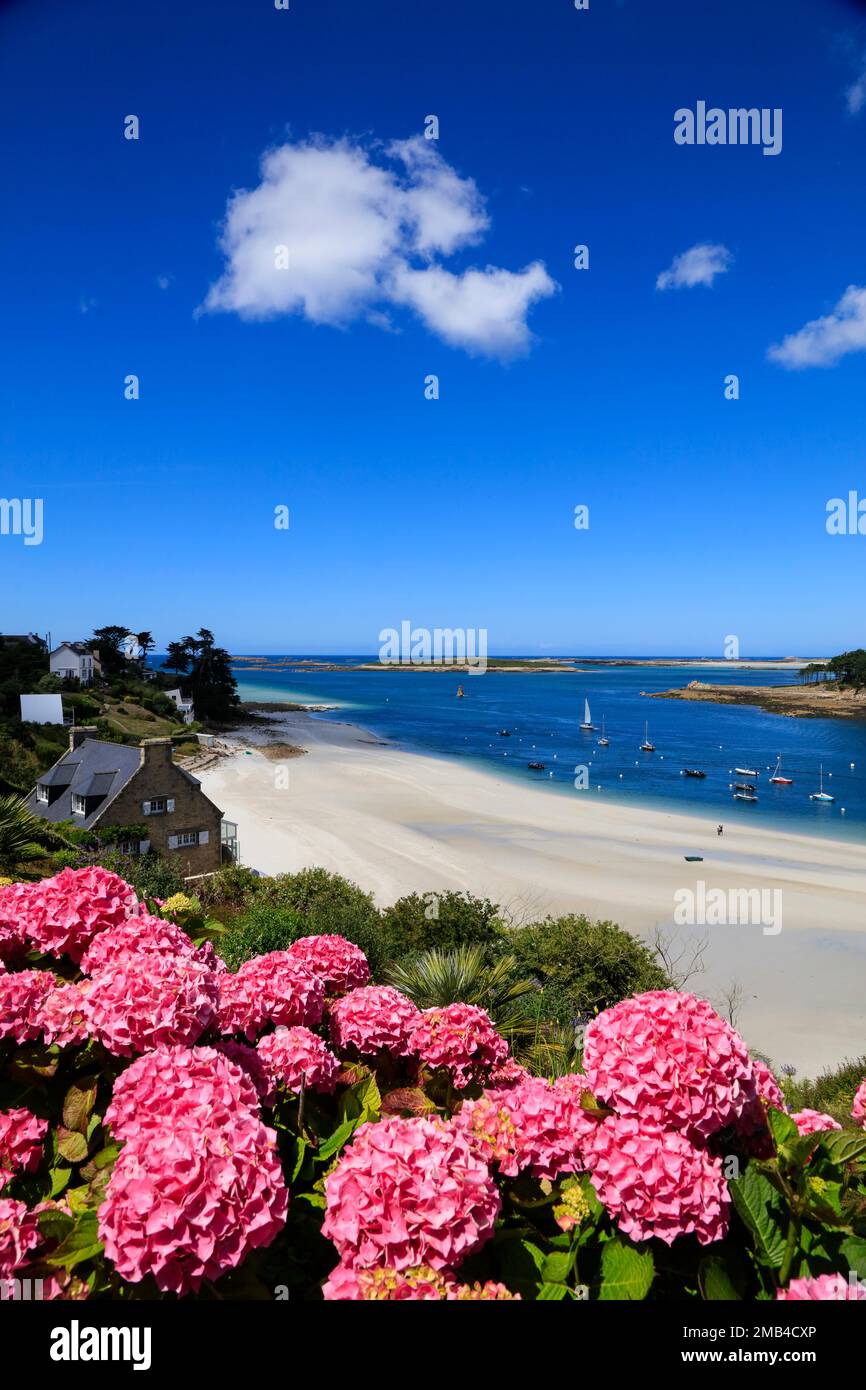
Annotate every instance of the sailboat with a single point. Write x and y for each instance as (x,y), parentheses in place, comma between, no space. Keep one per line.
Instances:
(646,746)
(461,693)
(821,795)
(604,740)
(781,781)
(587,721)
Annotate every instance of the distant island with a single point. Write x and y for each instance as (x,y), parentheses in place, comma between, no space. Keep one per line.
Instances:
(834,687)
(570,665)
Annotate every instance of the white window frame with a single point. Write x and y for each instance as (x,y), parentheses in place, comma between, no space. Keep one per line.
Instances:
(157,806)
(78,810)
(187,839)
(42,792)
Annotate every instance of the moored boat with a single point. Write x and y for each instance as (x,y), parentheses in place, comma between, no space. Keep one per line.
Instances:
(647,746)
(821,795)
(536,767)
(693,772)
(604,740)
(779,780)
(587,718)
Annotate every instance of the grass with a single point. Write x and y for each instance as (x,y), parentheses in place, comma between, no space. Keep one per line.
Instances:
(832,1092)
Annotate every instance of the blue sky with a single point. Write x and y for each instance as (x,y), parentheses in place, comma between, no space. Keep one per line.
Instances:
(706,515)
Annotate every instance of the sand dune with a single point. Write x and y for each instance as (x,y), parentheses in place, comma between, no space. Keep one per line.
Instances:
(395,822)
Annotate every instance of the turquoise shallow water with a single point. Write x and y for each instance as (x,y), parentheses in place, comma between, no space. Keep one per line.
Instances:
(419,710)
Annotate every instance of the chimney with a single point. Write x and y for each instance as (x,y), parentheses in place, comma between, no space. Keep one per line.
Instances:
(80,733)
(155,752)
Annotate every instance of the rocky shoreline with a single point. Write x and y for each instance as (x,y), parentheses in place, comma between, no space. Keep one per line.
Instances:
(795,701)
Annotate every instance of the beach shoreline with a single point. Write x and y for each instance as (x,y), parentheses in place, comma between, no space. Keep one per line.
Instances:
(397,821)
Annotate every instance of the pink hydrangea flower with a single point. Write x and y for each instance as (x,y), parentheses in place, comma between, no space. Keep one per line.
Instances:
(409,1192)
(187,1203)
(22,993)
(373,1019)
(142,1001)
(296,1057)
(19,1234)
(510,1074)
(177,1087)
(461,1039)
(535,1126)
(250,1062)
(63,1015)
(655,1182)
(669,1059)
(814,1122)
(420,1285)
(14,900)
(275,988)
(858,1109)
(145,935)
(823,1287)
(21,1137)
(63,914)
(339,963)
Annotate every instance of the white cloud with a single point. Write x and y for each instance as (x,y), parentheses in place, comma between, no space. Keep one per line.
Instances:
(856,94)
(164,281)
(363,236)
(823,342)
(698,266)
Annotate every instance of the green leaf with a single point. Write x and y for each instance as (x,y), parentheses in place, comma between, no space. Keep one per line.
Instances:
(557,1267)
(758,1208)
(82,1243)
(71,1145)
(782,1127)
(54,1225)
(59,1180)
(842,1146)
(798,1151)
(78,1103)
(341,1135)
(626,1272)
(551,1293)
(715,1280)
(853,1251)
(300,1155)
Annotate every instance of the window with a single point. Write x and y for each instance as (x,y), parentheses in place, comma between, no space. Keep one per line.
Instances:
(155,807)
(128,846)
(41,792)
(186,837)
(79,805)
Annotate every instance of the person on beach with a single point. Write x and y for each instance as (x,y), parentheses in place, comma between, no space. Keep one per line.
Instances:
(720,829)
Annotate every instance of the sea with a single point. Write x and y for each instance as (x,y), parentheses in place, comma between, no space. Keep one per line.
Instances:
(420,711)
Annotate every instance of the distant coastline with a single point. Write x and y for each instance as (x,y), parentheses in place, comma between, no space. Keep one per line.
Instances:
(524,665)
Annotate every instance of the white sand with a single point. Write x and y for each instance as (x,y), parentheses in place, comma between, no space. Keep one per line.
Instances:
(397,822)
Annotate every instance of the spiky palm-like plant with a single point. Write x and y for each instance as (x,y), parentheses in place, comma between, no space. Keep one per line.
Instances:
(436,978)
(23,836)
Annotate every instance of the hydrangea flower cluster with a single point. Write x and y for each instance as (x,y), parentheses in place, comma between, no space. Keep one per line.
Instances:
(459,1038)
(22,994)
(339,964)
(141,1001)
(199,1183)
(275,988)
(535,1126)
(421,1285)
(13,909)
(669,1059)
(373,1019)
(21,1137)
(142,935)
(655,1182)
(62,915)
(295,1057)
(858,1109)
(814,1122)
(19,1234)
(63,1014)
(409,1192)
(823,1287)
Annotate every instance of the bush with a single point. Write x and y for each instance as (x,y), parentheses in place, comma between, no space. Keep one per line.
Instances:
(832,1093)
(444,920)
(258,930)
(232,886)
(328,904)
(150,874)
(584,966)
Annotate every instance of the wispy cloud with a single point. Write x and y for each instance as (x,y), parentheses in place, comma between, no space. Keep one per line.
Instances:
(85,304)
(164,281)
(823,342)
(856,93)
(366,231)
(698,266)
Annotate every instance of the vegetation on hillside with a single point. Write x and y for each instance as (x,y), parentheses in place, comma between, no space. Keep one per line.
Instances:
(847,669)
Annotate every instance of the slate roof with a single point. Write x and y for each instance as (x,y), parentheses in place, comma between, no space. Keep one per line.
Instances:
(97,768)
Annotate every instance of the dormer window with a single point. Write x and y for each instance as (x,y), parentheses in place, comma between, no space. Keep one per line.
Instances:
(41,792)
(79,805)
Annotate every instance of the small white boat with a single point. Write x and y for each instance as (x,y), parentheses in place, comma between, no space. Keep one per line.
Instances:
(821,795)
(587,720)
(745,796)
(604,740)
(646,746)
(779,780)
(746,771)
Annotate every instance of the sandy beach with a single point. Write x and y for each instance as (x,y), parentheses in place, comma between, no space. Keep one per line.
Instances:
(397,821)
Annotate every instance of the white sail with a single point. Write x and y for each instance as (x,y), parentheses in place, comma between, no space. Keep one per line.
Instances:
(586,718)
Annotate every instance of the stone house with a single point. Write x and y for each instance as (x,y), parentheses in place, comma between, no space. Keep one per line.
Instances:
(101,784)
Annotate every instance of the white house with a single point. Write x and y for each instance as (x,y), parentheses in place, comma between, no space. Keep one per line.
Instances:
(184,706)
(73,661)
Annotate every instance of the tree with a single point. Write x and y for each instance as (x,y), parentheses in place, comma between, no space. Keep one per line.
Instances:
(209,680)
(145,643)
(108,641)
(177,658)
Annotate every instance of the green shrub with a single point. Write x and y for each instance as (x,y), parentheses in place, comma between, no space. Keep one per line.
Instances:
(328,904)
(584,966)
(444,920)
(231,886)
(258,930)
(832,1093)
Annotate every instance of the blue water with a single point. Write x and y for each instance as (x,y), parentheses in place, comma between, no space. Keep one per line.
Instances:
(418,710)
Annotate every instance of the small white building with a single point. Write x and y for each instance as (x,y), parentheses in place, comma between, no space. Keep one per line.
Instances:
(73,661)
(184,706)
